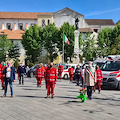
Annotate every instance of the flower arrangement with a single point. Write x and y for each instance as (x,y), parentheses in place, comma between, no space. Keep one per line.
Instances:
(82,95)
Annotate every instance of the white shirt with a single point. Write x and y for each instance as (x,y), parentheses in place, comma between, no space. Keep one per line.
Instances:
(8,73)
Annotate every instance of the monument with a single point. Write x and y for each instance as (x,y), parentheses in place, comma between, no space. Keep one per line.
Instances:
(76,43)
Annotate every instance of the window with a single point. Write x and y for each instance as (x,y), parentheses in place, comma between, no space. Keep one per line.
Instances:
(32,24)
(8,26)
(20,26)
(48,22)
(43,23)
(96,30)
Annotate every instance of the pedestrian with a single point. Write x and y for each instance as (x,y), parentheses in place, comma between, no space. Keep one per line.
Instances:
(3,76)
(51,79)
(27,69)
(0,70)
(89,79)
(39,75)
(45,67)
(77,75)
(82,75)
(99,77)
(9,78)
(60,70)
(21,71)
(71,72)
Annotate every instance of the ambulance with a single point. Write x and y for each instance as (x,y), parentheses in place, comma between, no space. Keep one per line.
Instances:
(65,73)
(111,72)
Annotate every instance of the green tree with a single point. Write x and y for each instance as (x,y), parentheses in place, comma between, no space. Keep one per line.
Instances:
(89,50)
(116,46)
(33,42)
(68,30)
(14,52)
(51,38)
(5,45)
(104,42)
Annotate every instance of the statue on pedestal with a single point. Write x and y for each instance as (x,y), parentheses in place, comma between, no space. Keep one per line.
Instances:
(76,23)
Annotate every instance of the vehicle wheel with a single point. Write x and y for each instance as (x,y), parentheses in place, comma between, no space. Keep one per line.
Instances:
(65,76)
(32,74)
(118,87)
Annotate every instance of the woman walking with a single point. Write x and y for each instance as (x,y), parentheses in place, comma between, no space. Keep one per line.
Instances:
(99,77)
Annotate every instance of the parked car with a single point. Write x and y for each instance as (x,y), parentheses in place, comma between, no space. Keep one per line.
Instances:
(31,72)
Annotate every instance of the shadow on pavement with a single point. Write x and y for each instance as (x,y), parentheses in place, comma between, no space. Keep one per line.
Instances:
(26,96)
(33,89)
(66,97)
(110,99)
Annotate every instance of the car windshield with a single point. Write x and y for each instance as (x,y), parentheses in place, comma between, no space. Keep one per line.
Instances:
(111,66)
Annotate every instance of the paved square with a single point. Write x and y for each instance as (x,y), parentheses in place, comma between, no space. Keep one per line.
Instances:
(29,103)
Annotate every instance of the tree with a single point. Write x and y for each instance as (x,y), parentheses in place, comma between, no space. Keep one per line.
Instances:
(89,51)
(5,45)
(51,38)
(68,30)
(14,52)
(104,41)
(33,42)
(116,47)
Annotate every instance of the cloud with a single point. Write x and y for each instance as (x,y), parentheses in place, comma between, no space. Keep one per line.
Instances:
(102,12)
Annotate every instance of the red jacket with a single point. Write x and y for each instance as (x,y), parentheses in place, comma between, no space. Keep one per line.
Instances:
(3,75)
(71,71)
(39,73)
(51,74)
(99,76)
(1,70)
(60,68)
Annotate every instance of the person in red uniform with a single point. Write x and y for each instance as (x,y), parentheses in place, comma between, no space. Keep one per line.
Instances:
(60,70)
(1,70)
(71,72)
(39,75)
(51,79)
(45,67)
(99,77)
(3,76)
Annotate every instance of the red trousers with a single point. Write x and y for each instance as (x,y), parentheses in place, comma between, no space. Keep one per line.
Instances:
(39,81)
(60,75)
(2,83)
(50,87)
(71,77)
(98,83)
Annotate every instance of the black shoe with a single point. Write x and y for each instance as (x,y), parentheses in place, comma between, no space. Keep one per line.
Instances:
(48,96)
(99,92)
(52,96)
(90,98)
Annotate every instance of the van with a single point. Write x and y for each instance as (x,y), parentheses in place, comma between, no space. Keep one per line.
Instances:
(111,72)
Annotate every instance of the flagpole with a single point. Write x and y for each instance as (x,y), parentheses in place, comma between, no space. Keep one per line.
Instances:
(63,49)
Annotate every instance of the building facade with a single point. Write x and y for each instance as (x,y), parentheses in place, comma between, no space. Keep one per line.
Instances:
(14,24)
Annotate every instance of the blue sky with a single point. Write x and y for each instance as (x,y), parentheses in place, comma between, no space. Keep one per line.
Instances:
(92,9)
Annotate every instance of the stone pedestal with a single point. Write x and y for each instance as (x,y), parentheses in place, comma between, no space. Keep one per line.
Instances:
(76,48)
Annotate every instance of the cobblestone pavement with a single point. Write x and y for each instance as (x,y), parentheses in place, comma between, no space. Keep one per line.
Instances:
(29,103)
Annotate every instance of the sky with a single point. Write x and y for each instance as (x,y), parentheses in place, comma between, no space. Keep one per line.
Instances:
(91,9)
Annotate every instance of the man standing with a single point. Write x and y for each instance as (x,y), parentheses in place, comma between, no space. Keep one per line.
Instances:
(71,72)
(3,76)
(89,79)
(77,74)
(39,75)
(0,71)
(21,72)
(9,78)
(60,70)
(50,78)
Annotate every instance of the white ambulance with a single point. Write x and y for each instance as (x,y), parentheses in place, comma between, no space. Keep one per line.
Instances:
(111,72)
(65,73)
